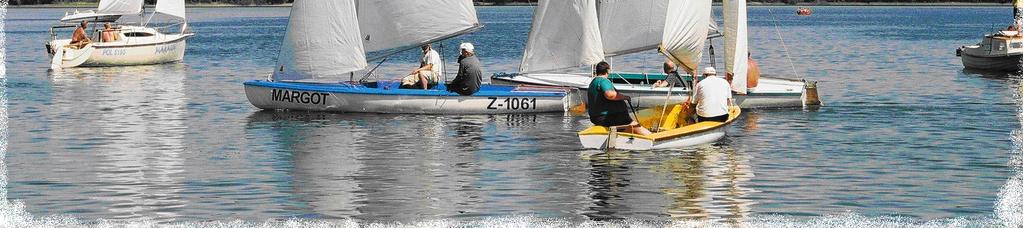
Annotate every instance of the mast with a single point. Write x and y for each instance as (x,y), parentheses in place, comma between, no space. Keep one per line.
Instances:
(1017,13)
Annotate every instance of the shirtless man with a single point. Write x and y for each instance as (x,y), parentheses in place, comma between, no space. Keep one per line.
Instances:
(79,39)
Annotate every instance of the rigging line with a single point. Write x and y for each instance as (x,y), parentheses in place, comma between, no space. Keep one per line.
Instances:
(784,47)
(370,72)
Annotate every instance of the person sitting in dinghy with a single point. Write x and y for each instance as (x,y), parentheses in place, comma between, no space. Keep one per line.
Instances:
(671,76)
(607,106)
(752,73)
(429,70)
(712,96)
(78,38)
(469,73)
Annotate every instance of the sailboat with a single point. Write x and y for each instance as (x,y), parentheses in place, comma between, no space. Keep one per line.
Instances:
(602,29)
(137,43)
(330,39)
(998,51)
(685,31)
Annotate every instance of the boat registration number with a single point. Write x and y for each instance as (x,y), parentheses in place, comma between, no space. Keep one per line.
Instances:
(512,103)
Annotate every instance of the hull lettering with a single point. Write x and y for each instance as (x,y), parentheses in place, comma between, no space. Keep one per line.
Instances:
(299,97)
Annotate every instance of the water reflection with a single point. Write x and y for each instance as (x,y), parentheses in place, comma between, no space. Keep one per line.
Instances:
(393,167)
(323,169)
(707,183)
(136,132)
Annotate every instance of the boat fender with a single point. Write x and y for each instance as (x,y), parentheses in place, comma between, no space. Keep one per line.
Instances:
(959,51)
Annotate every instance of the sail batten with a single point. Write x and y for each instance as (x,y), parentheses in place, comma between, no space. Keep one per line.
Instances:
(120,7)
(564,34)
(322,40)
(736,43)
(685,31)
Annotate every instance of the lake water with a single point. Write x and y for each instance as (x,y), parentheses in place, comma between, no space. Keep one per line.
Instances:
(905,132)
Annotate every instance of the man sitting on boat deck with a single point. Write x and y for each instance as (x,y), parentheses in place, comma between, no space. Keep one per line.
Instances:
(752,74)
(713,96)
(430,69)
(78,38)
(469,73)
(109,34)
(606,105)
(671,76)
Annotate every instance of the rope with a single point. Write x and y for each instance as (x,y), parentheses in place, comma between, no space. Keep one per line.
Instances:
(784,47)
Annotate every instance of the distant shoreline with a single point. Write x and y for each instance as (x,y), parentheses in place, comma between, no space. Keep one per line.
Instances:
(936,4)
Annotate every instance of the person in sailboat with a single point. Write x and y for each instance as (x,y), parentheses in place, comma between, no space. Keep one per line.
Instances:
(469,72)
(430,69)
(671,76)
(606,105)
(78,38)
(712,97)
(109,34)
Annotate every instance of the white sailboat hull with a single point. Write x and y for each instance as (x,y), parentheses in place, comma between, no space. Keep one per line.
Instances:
(770,93)
(332,98)
(627,143)
(156,49)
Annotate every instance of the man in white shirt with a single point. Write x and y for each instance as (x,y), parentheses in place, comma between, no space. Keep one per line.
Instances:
(712,96)
(429,71)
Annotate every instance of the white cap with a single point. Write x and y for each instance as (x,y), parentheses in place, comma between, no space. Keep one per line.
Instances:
(710,70)
(467,47)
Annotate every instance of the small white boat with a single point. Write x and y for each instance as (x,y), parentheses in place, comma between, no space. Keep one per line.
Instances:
(330,39)
(569,34)
(1000,51)
(686,135)
(137,44)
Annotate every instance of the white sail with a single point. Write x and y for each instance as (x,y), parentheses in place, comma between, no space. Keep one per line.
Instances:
(565,33)
(322,41)
(736,43)
(120,7)
(391,24)
(685,30)
(175,8)
(630,26)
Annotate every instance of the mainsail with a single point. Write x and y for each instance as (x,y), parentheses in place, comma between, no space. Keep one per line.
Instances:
(120,7)
(174,8)
(736,43)
(322,40)
(399,24)
(630,26)
(685,30)
(565,34)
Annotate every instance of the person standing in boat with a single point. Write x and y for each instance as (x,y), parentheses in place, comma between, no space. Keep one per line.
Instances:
(430,69)
(671,76)
(606,105)
(712,97)
(78,38)
(467,82)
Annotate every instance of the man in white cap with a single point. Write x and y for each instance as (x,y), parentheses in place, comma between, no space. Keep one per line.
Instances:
(469,72)
(712,97)
(431,67)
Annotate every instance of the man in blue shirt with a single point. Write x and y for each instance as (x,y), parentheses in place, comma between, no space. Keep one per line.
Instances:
(606,106)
